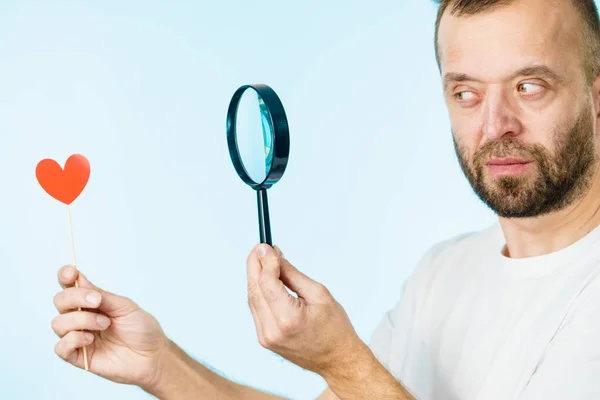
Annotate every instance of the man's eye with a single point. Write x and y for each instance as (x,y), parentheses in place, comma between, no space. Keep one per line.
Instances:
(465,95)
(529,88)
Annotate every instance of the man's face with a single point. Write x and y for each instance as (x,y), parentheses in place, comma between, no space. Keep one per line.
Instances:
(522,118)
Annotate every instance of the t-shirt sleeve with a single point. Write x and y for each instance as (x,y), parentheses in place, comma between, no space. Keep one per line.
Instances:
(401,315)
(397,323)
(570,368)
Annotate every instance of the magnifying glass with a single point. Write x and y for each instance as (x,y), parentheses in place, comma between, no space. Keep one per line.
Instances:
(259,144)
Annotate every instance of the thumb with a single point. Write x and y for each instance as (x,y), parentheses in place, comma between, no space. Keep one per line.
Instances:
(111,304)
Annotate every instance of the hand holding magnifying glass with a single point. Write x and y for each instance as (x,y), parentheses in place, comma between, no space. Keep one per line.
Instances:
(309,327)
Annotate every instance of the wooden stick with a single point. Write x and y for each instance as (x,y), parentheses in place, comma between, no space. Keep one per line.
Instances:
(85,357)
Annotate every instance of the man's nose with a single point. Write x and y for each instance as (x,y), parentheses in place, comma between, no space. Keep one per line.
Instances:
(500,117)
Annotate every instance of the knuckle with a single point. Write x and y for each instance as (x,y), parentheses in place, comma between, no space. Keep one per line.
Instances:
(58,350)
(61,274)
(269,296)
(56,325)
(287,323)
(271,338)
(322,292)
(81,320)
(263,280)
(126,300)
(252,290)
(253,294)
(263,285)
(262,341)
(266,288)
(58,299)
(65,345)
(65,299)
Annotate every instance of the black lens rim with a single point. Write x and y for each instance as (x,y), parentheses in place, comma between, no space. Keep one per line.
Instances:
(281,135)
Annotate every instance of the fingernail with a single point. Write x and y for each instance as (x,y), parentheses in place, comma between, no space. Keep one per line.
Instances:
(103,321)
(88,336)
(93,298)
(262,250)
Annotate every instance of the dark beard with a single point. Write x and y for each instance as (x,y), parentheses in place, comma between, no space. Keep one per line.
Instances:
(560,177)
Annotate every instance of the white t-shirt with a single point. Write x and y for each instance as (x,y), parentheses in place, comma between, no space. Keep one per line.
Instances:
(472,324)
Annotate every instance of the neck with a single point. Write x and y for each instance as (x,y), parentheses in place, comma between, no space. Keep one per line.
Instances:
(529,237)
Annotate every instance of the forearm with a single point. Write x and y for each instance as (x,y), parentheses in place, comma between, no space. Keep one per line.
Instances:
(363,377)
(181,377)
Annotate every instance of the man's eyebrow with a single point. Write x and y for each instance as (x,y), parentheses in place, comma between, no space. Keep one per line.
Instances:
(539,70)
(532,70)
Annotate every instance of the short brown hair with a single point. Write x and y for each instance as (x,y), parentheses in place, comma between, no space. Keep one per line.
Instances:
(586,8)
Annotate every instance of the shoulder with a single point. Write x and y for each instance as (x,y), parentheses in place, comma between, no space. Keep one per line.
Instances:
(445,255)
(462,245)
(585,306)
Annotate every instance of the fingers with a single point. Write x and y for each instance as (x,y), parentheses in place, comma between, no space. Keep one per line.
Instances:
(253,269)
(256,319)
(278,314)
(79,320)
(283,305)
(67,347)
(110,303)
(72,298)
(258,306)
(67,276)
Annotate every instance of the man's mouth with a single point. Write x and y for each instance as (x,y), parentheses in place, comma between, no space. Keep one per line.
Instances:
(507,161)
(508,166)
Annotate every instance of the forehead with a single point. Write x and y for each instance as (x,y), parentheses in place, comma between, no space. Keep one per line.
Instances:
(503,39)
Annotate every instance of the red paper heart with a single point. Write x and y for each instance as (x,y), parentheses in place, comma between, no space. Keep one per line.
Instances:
(64,185)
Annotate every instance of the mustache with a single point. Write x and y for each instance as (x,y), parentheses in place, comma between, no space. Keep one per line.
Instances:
(508,147)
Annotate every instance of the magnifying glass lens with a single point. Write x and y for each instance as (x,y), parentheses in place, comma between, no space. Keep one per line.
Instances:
(254,135)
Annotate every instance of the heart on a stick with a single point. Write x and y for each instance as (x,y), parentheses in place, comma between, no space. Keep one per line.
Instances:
(65,185)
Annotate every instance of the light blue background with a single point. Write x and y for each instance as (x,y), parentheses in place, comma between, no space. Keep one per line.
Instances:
(142,89)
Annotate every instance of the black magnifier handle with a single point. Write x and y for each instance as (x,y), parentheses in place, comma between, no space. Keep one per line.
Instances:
(264,223)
